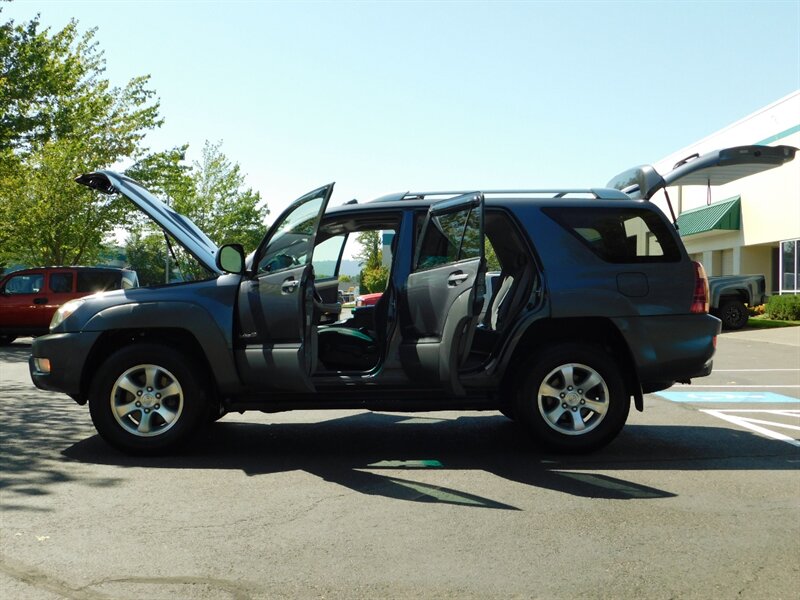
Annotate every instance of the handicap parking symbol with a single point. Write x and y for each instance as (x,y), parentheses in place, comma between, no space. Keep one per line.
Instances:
(729,397)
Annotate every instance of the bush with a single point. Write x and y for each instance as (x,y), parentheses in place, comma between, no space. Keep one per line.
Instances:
(374,280)
(784,308)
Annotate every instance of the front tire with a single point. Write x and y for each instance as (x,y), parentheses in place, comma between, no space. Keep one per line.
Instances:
(572,398)
(147,399)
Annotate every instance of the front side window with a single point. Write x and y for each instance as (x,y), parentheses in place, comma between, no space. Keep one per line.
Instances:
(326,257)
(290,244)
(24,284)
(619,235)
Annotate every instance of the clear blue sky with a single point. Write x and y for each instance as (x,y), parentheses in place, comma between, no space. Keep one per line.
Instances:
(391,96)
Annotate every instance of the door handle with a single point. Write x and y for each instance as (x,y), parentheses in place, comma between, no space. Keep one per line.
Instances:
(289,285)
(456,278)
(40,300)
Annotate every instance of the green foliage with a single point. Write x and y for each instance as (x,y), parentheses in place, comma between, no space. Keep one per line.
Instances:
(47,223)
(59,118)
(146,253)
(211,192)
(370,256)
(492,263)
(374,275)
(345,279)
(783,308)
(374,279)
(221,205)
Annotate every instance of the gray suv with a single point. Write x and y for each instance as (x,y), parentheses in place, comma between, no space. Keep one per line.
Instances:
(596,304)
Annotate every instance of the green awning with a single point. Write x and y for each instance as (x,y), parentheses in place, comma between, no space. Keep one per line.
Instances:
(724,215)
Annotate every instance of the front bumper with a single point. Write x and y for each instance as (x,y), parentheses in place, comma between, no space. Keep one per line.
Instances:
(67,353)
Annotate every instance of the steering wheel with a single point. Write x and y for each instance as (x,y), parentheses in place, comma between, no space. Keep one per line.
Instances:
(280,261)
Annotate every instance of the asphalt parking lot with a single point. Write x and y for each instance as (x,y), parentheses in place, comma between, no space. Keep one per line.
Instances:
(699,497)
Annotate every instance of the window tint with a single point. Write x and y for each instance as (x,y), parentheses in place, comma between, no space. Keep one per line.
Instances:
(449,238)
(620,235)
(289,246)
(61,283)
(24,284)
(326,257)
(98,281)
(129,280)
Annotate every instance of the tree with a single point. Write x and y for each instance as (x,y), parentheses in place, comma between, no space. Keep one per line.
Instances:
(59,118)
(51,220)
(211,192)
(146,254)
(220,204)
(374,276)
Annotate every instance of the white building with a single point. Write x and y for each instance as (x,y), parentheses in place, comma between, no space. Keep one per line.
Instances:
(752,225)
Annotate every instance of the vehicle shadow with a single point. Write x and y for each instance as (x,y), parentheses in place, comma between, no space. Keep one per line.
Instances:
(33,430)
(377,454)
(16,352)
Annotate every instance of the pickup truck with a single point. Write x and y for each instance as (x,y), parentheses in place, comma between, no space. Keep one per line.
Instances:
(730,295)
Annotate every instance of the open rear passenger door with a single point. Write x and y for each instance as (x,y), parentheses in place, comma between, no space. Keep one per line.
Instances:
(444,294)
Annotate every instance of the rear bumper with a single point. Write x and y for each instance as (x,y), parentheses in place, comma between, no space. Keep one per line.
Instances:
(67,353)
(670,348)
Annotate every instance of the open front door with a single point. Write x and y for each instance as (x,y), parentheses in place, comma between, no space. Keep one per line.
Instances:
(277,338)
(445,290)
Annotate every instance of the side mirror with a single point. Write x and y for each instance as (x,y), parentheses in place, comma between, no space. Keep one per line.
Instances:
(230,258)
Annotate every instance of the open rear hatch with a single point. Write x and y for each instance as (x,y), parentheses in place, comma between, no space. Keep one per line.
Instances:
(715,168)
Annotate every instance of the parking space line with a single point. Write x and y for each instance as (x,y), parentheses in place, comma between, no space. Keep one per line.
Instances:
(752,423)
(751,370)
(744,386)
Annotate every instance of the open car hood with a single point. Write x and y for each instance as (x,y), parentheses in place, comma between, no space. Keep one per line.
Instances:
(714,168)
(180,227)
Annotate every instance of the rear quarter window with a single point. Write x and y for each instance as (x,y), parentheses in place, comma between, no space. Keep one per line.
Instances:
(98,281)
(619,235)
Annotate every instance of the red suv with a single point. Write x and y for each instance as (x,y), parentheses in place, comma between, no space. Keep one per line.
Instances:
(28,298)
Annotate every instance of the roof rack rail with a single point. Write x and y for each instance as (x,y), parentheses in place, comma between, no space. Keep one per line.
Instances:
(597,193)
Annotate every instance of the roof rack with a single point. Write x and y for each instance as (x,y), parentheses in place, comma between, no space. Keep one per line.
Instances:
(596,193)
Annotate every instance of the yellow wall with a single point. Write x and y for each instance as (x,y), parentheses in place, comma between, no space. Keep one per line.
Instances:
(770,200)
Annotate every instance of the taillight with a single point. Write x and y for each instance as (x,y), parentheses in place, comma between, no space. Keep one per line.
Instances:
(701,293)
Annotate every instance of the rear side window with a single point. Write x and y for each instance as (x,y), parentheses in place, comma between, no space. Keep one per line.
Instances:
(61,283)
(98,281)
(619,235)
(129,280)
(450,238)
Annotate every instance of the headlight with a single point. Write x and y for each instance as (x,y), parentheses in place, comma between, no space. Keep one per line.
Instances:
(64,311)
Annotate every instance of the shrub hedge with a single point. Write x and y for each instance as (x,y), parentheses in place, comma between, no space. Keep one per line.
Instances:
(784,308)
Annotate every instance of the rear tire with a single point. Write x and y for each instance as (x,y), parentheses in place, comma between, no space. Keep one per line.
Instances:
(572,398)
(733,314)
(148,399)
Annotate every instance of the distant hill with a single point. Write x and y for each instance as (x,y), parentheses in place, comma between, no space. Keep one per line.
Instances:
(349,267)
(325,268)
